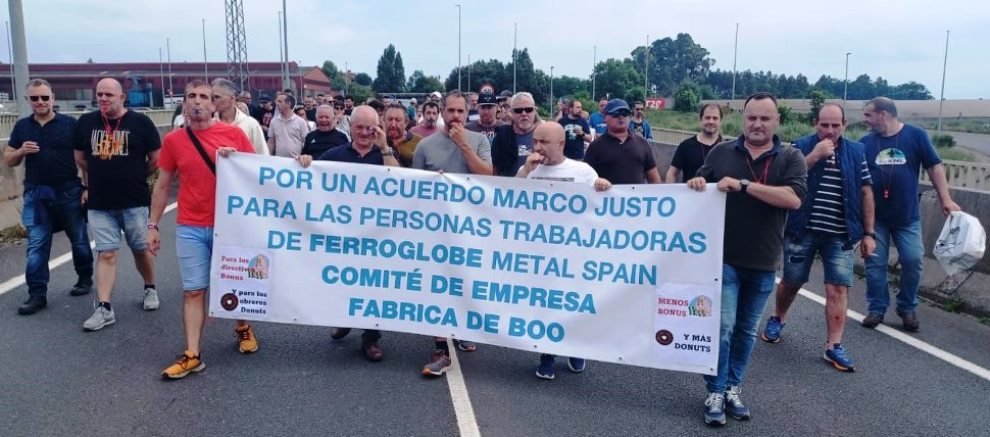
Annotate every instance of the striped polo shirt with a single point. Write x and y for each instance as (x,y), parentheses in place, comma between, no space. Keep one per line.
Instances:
(827,211)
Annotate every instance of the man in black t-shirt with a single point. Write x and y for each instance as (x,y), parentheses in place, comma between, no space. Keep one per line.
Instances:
(576,130)
(691,153)
(326,136)
(619,156)
(52,193)
(117,149)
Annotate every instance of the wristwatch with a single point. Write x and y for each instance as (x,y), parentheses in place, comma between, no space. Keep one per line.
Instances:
(743,185)
(870,234)
(152,226)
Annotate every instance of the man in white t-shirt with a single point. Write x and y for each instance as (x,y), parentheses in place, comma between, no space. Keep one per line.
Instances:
(547,162)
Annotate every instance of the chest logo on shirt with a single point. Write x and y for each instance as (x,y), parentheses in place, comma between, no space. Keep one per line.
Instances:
(107,146)
(891,157)
(525,149)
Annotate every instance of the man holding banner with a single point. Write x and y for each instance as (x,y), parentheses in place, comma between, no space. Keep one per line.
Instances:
(190,153)
(369,146)
(764,180)
(547,162)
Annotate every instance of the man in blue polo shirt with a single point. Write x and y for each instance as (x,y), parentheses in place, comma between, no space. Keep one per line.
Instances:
(895,153)
(52,193)
(369,146)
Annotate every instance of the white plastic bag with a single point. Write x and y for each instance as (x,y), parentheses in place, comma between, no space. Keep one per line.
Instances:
(961,244)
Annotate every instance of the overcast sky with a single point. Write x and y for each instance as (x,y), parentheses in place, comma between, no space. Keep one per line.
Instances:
(900,41)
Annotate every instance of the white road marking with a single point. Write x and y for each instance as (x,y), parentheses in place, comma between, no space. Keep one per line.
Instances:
(18,281)
(467,424)
(934,351)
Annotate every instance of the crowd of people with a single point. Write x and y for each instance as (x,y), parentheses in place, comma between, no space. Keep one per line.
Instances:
(825,195)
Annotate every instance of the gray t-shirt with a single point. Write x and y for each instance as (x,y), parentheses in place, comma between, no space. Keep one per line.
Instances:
(438,152)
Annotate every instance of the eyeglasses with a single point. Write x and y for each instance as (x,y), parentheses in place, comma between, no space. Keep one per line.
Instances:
(639,109)
(42,98)
(521,110)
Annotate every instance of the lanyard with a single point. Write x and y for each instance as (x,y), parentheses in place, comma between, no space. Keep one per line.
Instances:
(766,170)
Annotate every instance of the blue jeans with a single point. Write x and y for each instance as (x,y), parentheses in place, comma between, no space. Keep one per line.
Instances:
(64,212)
(799,255)
(194,246)
(744,296)
(907,239)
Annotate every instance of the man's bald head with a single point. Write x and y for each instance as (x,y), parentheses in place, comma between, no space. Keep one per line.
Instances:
(548,140)
(110,97)
(112,83)
(364,119)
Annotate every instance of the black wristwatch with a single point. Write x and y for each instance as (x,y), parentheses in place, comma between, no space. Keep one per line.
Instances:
(870,234)
(743,185)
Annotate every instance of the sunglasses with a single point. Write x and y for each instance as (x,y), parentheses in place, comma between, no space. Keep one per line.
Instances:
(521,110)
(42,98)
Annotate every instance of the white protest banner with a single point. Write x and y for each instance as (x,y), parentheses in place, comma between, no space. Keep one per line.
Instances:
(629,276)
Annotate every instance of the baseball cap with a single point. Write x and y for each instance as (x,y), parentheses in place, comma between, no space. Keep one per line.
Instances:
(617,107)
(436,94)
(487,99)
(264,98)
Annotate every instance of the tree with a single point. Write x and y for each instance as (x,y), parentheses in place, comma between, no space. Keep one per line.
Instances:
(421,83)
(618,78)
(363,79)
(911,91)
(391,75)
(817,98)
(673,61)
(688,97)
(337,79)
(569,86)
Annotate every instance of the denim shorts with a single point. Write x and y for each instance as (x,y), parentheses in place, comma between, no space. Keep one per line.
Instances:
(836,253)
(194,245)
(107,225)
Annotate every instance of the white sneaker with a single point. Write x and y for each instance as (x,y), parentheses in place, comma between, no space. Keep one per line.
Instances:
(150,299)
(100,319)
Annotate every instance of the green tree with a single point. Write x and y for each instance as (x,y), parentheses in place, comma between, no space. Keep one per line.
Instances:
(673,61)
(817,98)
(688,97)
(618,78)
(363,79)
(911,91)
(421,83)
(567,86)
(337,80)
(391,75)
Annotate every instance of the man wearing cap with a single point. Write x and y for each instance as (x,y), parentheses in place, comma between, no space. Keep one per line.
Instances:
(513,143)
(576,128)
(487,119)
(619,156)
(763,180)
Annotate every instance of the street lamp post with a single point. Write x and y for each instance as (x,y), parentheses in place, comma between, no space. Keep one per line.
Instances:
(168,51)
(845,91)
(551,91)
(941,97)
(285,43)
(161,68)
(735,56)
(206,69)
(646,68)
(458,47)
(515,31)
(594,63)
(469,72)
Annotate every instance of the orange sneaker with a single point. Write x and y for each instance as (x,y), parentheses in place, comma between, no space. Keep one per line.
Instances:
(184,364)
(246,341)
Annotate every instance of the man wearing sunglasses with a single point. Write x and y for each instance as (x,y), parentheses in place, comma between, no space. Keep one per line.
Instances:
(513,143)
(638,124)
(618,155)
(52,193)
(117,150)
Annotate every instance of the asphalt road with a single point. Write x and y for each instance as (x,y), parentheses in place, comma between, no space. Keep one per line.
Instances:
(977,142)
(58,380)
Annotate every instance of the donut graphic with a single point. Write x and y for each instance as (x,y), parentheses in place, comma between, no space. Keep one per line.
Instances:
(665,337)
(229,302)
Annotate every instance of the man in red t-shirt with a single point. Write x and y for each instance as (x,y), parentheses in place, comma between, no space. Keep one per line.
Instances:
(194,233)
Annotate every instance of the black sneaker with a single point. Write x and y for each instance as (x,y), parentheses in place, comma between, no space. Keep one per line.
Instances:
(81,288)
(872,320)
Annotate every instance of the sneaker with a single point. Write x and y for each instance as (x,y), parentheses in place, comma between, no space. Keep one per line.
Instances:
(837,356)
(439,363)
(576,365)
(466,346)
(733,404)
(909,320)
(372,351)
(545,369)
(715,409)
(32,305)
(771,334)
(246,341)
(150,299)
(339,333)
(185,363)
(81,288)
(100,319)
(872,320)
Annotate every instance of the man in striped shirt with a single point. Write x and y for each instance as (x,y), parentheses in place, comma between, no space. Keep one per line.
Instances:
(836,214)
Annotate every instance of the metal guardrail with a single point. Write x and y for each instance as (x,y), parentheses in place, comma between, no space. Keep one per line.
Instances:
(960,174)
